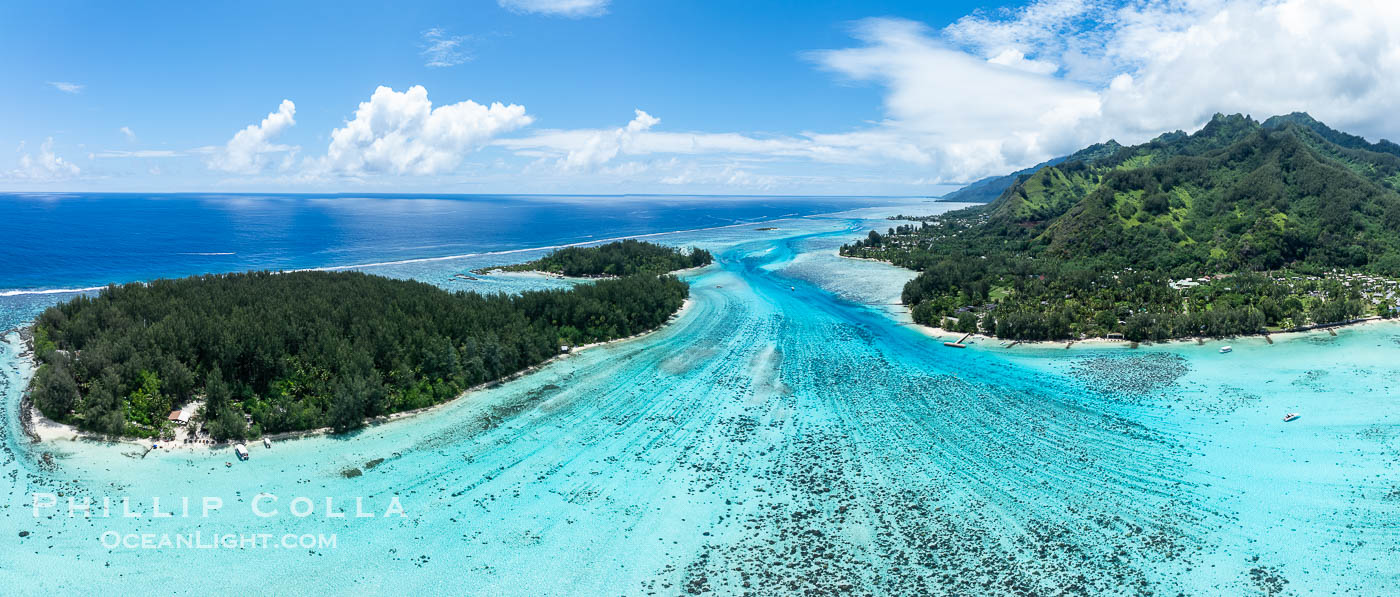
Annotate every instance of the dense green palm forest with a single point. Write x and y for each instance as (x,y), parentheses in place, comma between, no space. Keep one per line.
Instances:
(272,352)
(1238,228)
(622,258)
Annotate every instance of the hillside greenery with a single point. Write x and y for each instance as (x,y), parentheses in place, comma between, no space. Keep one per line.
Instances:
(621,258)
(1276,225)
(274,352)
(989,189)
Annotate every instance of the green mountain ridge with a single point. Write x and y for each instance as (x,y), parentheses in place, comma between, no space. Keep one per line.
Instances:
(1237,193)
(1303,219)
(989,189)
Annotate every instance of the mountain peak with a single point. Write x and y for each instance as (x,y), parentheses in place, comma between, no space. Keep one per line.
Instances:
(1302,118)
(1230,123)
(1306,121)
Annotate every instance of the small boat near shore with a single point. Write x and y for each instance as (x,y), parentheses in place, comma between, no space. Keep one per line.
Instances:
(1226,349)
(242,451)
(1290,416)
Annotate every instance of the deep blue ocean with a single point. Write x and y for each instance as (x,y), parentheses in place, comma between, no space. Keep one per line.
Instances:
(78,240)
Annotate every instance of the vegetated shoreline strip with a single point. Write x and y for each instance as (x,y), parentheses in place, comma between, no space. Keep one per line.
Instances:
(943,334)
(298,351)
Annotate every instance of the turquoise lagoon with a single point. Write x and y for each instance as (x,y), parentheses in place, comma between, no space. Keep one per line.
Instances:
(788,433)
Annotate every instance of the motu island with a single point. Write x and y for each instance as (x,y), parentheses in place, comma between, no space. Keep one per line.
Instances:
(304,350)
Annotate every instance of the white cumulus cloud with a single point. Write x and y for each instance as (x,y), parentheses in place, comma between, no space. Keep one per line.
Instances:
(1016,59)
(602,146)
(1336,59)
(251,150)
(970,114)
(45,166)
(588,150)
(1002,90)
(562,8)
(402,133)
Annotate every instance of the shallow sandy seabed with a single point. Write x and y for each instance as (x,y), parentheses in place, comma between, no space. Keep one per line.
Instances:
(788,433)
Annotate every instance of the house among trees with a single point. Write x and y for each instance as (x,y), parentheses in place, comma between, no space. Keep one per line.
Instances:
(182,416)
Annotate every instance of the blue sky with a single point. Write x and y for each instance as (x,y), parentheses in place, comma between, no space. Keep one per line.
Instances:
(650,96)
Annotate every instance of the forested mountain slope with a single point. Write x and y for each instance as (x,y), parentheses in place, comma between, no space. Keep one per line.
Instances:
(989,189)
(1089,243)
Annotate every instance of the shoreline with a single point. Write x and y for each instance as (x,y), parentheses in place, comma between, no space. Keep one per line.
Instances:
(993,342)
(872,260)
(41,429)
(532,273)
